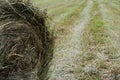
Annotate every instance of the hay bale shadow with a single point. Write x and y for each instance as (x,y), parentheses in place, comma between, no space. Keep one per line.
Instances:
(26,45)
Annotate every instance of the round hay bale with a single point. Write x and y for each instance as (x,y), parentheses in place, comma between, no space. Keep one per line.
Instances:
(25,41)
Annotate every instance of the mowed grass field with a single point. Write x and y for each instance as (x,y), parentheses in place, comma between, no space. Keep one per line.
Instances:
(62,13)
(87,38)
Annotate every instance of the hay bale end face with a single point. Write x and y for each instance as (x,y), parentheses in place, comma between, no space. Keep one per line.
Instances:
(25,41)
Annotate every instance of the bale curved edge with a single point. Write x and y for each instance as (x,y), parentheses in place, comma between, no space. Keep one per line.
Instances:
(26,44)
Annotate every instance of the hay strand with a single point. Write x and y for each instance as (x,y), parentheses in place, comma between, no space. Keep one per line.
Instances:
(26,44)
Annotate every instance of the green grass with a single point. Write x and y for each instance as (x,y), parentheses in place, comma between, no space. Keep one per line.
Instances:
(93,39)
(98,39)
(95,31)
(113,26)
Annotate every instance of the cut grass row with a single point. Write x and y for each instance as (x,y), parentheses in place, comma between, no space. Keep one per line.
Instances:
(47,3)
(111,16)
(62,13)
(67,17)
(113,26)
(57,10)
(96,47)
(114,8)
(100,45)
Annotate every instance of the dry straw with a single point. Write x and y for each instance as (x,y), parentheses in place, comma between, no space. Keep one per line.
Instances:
(25,41)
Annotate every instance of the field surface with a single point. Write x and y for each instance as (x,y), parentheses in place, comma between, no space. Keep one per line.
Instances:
(87,38)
